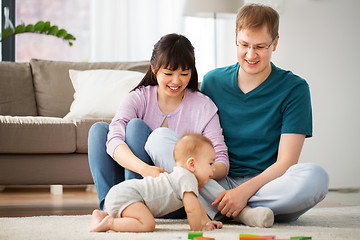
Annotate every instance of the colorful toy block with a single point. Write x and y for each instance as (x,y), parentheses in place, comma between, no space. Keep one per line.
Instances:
(254,238)
(248,235)
(206,238)
(244,236)
(192,235)
(301,238)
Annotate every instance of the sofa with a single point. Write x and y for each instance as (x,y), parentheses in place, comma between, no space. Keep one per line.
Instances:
(44,125)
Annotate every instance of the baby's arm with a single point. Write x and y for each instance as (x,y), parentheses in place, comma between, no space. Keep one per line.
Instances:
(193,210)
(196,214)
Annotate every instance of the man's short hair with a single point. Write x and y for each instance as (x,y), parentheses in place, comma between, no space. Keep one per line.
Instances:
(255,16)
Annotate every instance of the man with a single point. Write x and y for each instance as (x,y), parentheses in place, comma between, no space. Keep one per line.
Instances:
(265,113)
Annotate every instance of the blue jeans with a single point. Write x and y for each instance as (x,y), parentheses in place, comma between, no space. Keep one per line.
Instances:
(105,171)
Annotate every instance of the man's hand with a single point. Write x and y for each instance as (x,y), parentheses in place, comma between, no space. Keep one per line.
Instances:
(231,202)
(151,171)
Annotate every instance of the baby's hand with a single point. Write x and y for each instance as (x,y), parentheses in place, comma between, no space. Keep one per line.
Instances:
(217,224)
(211,225)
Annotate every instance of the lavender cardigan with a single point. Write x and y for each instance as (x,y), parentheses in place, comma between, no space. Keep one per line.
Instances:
(196,114)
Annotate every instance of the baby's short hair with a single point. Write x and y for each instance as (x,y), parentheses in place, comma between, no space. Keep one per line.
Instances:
(190,144)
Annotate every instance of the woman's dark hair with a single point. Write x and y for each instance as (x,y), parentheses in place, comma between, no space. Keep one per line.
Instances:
(171,51)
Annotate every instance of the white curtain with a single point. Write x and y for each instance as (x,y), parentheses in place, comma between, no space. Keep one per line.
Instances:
(126,30)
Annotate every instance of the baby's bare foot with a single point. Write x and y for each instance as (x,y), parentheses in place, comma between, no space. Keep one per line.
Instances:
(103,226)
(97,217)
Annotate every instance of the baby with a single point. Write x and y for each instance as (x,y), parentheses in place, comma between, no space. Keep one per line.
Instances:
(131,206)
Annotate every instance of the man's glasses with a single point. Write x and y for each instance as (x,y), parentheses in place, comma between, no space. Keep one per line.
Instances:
(257,48)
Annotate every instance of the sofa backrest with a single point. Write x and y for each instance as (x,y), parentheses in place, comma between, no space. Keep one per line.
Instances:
(17,96)
(54,92)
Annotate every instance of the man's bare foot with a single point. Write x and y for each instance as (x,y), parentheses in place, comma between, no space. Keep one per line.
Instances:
(97,217)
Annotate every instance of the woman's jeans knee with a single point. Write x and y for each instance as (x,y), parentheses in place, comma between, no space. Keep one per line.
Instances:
(105,171)
(137,133)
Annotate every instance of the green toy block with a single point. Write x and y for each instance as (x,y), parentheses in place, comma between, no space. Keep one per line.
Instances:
(301,238)
(248,235)
(192,235)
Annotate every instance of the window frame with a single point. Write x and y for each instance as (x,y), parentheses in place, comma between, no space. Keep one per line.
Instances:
(8,46)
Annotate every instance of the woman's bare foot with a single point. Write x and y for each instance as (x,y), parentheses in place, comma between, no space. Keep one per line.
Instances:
(97,217)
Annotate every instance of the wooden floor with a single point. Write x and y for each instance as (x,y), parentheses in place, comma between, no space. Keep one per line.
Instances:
(22,202)
(38,201)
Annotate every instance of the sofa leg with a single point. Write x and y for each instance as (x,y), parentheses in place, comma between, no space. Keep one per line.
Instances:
(56,189)
(91,188)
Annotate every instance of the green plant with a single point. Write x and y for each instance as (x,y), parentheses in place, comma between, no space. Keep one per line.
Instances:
(40,27)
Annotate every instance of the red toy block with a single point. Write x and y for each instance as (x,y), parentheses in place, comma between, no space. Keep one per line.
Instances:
(207,238)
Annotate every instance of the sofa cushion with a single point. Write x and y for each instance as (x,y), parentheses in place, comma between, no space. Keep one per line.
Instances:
(17,96)
(27,135)
(53,88)
(99,92)
(82,133)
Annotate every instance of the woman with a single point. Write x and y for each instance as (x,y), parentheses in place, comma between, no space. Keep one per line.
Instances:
(167,99)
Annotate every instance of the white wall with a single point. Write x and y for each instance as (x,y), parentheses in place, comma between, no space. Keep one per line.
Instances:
(320,41)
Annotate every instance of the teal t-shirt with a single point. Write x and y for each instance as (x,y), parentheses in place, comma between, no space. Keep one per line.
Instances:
(253,122)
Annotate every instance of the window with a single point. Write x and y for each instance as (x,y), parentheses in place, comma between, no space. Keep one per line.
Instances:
(74,16)
(119,30)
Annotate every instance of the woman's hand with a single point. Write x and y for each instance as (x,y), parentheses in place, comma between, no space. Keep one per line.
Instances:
(151,171)
(125,158)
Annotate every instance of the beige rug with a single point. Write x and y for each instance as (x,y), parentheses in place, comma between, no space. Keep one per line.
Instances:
(319,223)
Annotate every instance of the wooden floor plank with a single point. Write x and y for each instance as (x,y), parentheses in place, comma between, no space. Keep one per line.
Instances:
(23,202)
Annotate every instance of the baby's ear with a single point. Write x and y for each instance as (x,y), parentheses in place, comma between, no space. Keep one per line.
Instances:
(190,164)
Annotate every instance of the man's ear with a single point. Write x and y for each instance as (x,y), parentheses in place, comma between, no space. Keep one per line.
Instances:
(190,164)
(276,43)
